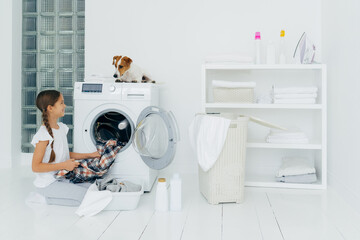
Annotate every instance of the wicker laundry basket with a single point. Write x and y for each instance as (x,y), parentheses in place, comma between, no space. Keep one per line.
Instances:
(224,182)
(238,95)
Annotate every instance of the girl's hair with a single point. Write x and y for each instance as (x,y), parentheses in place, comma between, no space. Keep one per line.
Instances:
(43,100)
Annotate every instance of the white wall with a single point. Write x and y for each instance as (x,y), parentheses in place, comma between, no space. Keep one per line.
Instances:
(341,51)
(10,66)
(16,82)
(5,96)
(170,39)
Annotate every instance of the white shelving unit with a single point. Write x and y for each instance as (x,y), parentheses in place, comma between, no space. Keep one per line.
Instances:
(264,159)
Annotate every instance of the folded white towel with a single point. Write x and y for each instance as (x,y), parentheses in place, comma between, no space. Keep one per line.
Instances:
(292,135)
(234,58)
(303,178)
(296,166)
(289,90)
(228,84)
(295,95)
(295,101)
(207,138)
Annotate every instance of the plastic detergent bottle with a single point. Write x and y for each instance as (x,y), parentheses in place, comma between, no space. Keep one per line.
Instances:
(175,193)
(257,48)
(282,58)
(162,199)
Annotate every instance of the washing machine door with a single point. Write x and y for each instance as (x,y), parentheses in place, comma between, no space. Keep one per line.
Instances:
(155,137)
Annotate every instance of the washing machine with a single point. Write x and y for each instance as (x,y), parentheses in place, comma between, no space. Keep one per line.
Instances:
(129,113)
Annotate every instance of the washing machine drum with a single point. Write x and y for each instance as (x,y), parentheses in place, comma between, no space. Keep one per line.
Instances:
(106,131)
(112,125)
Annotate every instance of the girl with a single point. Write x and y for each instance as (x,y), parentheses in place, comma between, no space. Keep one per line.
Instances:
(52,153)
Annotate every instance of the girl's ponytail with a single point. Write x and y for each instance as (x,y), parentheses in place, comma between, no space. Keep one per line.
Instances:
(47,125)
(43,100)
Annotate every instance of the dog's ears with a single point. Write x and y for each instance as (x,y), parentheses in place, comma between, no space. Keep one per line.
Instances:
(127,60)
(116,59)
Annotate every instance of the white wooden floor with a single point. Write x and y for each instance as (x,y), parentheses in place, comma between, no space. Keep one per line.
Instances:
(274,214)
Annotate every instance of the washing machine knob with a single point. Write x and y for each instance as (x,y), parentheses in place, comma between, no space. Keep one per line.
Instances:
(112,88)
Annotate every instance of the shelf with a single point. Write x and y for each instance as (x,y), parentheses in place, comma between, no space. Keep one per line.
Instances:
(275,184)
(262,106)
(235,66)
(284,146)
(310,118)
(269,181)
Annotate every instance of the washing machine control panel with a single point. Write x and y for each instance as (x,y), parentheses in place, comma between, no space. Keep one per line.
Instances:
(92,87)
(112,91)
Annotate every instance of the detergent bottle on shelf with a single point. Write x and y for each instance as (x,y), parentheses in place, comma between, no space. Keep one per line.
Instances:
(257,48)
(282,57)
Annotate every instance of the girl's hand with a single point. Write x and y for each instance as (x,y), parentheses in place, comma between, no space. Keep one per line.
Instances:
(70,164)
(95,155)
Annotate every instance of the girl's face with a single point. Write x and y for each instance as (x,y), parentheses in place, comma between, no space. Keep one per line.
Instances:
(58,110)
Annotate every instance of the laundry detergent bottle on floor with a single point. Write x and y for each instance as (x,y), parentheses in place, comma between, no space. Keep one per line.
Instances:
(175,193)
(162,198)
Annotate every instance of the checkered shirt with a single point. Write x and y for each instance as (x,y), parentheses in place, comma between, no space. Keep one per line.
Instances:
(91,169)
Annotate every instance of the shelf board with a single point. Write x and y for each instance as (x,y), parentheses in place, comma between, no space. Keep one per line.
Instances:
(274,184)
(310,146)
(235,66)
(263,106)
(269,181)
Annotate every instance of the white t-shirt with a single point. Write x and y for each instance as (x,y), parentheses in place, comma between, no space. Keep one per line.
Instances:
(61,149)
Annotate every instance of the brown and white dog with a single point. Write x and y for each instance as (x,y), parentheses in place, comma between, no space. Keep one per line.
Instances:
(127,71)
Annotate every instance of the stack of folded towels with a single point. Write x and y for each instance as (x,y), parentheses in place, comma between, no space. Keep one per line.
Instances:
(287,136)
(296,170)
(294,95)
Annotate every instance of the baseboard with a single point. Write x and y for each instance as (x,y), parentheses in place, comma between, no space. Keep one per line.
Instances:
(344,191)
